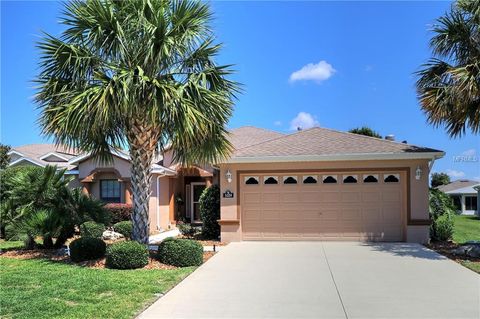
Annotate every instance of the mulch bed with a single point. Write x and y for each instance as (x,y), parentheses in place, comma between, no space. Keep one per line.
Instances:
(204,242)
(97,263)
(445,248)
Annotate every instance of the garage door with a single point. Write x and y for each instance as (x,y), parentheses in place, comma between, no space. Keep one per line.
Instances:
(323,206)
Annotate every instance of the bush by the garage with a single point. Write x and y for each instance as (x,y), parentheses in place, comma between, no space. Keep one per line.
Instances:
(210,212)
(126,255)
(441,213)
(125,228)
(180,252)
(92,229)
(87,248)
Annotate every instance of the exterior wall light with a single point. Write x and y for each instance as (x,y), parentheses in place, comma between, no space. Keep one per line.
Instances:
(228,176)
(418,173)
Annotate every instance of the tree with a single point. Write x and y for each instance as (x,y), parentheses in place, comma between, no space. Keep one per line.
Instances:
(139,73)
(439,179)
(448,84)
(365,130)
(4,157)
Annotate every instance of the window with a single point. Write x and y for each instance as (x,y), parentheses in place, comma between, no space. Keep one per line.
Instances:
(269,180)
(370,178)
(392,178)
(457,202)
(330,179)
(290,180)
(350,179)
(310,180)
(110,191)
(251,180)
(470,202)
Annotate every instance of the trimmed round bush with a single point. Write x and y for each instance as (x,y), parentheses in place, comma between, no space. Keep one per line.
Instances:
(180,252)
(127,255)
(87,248)
(210,212)
(119,212)
(92,229)
(125,228)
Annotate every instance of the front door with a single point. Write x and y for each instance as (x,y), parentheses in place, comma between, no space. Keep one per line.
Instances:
(195,193)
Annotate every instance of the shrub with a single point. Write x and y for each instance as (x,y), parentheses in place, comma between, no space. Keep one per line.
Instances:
(125,228)
(119,212)
(127,255)
(444,227)
(441,213)
(180,252)
(210,212)
(92,229)
(87,248)
(187,230)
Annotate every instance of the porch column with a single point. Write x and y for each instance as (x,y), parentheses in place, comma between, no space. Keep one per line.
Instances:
(86,188)
(208,181)
(171,206)
(462,202)
(128,194)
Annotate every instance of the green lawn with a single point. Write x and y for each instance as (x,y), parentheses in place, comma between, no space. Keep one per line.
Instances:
(44,289)
(7,245)
(466,228)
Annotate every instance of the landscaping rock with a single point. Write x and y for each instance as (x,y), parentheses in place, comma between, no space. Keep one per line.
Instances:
(459,251)
(111,235)
(469,250)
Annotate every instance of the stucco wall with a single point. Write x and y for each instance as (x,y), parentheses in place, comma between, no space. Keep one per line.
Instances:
(418,189)
(86,167)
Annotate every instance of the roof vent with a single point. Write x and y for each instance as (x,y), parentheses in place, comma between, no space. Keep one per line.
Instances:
(299,128)
(390,137)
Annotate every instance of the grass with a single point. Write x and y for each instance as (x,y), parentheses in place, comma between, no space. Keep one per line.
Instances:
(39,288)
(466,228)
(473,265)
(8,245)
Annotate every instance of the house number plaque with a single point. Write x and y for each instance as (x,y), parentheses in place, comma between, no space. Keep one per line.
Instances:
(228,194)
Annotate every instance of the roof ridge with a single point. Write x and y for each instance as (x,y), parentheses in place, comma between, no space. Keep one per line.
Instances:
(258,128)
(275,138)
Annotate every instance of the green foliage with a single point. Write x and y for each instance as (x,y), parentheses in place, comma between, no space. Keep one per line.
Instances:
(37,201)
(187,230)
(87,248)
(119,212)
(125,228)
(442,214)
(4,157)
(180,252)
(127,255)
(447,85)
(365,130)
(210,212)
(439,179)
(123,67)
(92,229)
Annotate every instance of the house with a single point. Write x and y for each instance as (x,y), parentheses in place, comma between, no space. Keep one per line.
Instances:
(464,194)
(315,184)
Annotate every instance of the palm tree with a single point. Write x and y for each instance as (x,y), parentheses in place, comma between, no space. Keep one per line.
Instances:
(449,84)
(136,73)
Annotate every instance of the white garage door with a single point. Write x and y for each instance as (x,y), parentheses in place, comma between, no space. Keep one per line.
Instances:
(323,206)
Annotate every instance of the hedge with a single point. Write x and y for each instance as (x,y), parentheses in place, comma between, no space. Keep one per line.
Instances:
(125,228)
(126,255)
(180,252)
(210,212)
(87,248)
(92,229)
(119,212)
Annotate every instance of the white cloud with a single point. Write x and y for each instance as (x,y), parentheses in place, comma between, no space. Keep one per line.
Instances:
(454,173)
(313,72)
(470,152)
(303,120)
(277,123)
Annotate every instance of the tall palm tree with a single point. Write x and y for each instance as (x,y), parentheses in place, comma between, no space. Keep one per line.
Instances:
(449,84)
(139,73)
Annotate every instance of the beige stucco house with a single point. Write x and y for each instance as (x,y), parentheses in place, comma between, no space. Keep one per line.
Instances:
(315,184)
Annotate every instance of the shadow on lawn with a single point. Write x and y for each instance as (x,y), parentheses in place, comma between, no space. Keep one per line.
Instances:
(405,250)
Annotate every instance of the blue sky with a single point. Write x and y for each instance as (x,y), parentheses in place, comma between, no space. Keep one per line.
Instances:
(335,64)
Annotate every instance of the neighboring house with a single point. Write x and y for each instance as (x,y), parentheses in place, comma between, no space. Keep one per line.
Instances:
(316,184)
(465,194)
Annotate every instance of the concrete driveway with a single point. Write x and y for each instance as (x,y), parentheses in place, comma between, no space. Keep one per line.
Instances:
(324,280)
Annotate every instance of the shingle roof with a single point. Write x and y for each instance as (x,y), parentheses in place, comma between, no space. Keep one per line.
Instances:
(249,135)
(460,186)
(36,151)
(321,141)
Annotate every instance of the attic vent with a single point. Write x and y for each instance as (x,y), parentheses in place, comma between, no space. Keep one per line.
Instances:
(390,137)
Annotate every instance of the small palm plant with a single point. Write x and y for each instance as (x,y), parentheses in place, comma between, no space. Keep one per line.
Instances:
(139,73)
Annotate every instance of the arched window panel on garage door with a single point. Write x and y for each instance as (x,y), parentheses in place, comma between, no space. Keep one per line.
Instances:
(251,180)
(290,179)
(350,179)
(270,180)
(330,179)
(391,178)
(370,178)
(310,179)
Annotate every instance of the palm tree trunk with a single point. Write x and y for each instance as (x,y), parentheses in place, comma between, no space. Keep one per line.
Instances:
(143,143)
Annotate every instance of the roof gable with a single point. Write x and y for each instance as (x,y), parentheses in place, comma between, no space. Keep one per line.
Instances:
(459,186)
